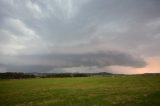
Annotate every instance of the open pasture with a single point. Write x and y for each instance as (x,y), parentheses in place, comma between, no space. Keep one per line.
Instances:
(84,91)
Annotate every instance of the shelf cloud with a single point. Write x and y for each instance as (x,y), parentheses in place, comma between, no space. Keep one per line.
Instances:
(51,35)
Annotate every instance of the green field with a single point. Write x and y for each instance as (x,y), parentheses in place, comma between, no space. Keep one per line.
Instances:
(85,91)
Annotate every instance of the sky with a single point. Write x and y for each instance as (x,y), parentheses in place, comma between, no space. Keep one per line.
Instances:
(54,36)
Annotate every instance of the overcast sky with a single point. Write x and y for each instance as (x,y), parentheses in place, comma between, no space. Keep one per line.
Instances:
(118,36)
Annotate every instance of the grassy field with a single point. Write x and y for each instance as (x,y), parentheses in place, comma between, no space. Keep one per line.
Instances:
(85,91)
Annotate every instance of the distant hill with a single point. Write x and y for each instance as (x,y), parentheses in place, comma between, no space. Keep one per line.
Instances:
(151,74)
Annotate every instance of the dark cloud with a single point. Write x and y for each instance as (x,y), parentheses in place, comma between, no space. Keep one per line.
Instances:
(99,59)
(48,62)
(54,34)
(26,68)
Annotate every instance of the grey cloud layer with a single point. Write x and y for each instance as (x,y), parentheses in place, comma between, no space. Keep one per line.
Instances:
(69,29)
(48,62)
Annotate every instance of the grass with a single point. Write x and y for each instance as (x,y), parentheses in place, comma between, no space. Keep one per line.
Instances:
(85,91)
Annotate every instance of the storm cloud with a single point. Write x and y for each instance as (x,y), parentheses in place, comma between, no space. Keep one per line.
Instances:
(50,35)
(40,63)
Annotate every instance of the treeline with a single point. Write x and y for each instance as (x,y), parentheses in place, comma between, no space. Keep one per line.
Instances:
(14,75)
(61,75)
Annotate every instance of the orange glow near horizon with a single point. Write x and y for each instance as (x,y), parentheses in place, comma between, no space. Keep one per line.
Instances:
(153,66)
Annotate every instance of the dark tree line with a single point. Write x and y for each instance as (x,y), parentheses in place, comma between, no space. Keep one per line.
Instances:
(61,75)
(14,75)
